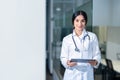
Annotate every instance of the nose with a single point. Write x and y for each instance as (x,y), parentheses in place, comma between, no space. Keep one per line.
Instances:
(80,23)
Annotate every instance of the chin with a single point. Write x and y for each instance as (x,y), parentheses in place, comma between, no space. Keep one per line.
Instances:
(80,29)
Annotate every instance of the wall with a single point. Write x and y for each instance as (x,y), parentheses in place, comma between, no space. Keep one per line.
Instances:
(102,12)
(116,13)
(113,43)
(22,40)
(106,14)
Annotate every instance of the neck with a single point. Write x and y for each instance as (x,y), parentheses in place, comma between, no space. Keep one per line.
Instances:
(78,32)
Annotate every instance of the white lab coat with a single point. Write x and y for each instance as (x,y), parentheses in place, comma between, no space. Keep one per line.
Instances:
(89,49)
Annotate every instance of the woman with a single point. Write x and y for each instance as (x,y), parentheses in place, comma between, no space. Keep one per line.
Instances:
(83,45)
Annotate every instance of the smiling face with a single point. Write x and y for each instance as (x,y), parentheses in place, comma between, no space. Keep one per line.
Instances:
(79,23)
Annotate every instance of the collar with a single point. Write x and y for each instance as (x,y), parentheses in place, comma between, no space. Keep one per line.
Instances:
(84,33)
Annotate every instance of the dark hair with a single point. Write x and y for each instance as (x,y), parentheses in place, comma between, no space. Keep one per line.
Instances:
(77,13)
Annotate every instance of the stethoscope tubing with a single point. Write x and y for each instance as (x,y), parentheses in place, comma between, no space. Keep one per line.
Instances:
(76,48)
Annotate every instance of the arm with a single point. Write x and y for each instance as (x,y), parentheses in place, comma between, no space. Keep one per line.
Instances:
(96,53)
(65,55)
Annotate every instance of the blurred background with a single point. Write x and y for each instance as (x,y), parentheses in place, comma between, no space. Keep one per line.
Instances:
(31,33)
(103,19)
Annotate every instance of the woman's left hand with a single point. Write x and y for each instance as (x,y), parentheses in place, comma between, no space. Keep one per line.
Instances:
(93,62)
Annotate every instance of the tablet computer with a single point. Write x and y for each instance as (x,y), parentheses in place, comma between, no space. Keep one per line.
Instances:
(82,60)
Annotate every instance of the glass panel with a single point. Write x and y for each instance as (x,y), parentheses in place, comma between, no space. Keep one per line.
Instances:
(63,25)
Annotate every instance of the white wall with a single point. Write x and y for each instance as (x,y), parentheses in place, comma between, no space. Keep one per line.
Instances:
(116,13)
(106,13)
(22,39)
(102,12)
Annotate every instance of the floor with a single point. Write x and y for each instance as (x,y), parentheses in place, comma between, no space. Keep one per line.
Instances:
(48,75)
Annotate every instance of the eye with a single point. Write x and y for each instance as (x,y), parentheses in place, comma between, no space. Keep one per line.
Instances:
(77,20)
(83,20)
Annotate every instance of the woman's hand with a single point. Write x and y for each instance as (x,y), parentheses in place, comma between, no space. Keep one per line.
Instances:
(71,64)
(93,62)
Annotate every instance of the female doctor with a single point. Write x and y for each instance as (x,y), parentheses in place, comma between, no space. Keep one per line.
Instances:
(80,44)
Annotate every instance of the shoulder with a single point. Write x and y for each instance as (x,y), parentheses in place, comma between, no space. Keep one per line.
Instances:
(68,37)
(67,40)
(92,35)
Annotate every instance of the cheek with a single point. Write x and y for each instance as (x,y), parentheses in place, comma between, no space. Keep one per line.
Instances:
(75,26)
(84,23)
(76,23)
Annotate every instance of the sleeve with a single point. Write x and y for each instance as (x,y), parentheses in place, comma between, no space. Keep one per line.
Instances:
(96,51)
(64,53)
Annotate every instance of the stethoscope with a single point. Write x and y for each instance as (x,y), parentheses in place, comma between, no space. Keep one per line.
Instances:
(76,48)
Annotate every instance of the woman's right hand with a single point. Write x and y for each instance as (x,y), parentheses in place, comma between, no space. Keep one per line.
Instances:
(71,64)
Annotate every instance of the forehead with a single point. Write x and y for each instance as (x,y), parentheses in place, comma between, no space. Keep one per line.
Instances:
(80,17)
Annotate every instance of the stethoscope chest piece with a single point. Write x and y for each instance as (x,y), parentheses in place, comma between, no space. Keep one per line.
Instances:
(77,50)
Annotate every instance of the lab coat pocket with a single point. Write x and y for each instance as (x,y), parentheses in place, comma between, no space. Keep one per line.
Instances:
(74,74)
(68,74)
